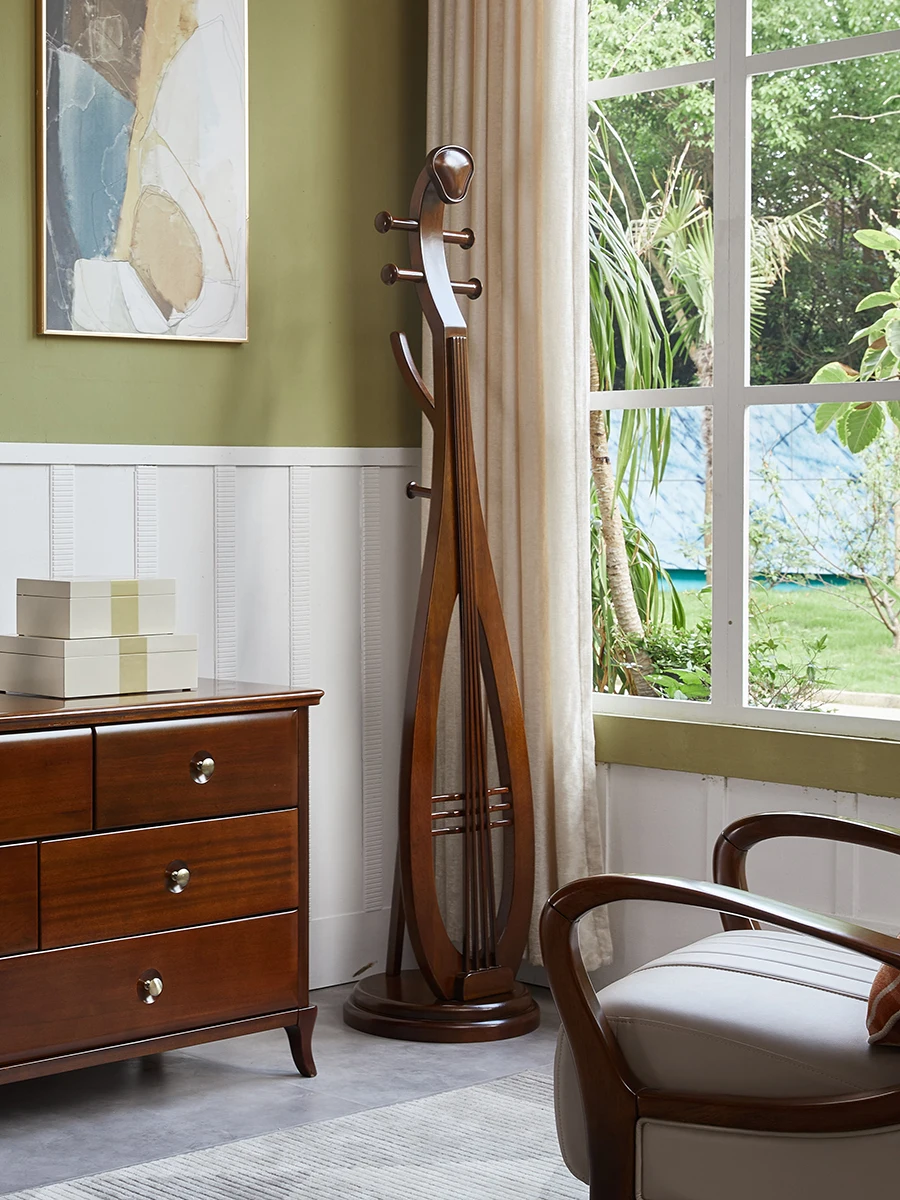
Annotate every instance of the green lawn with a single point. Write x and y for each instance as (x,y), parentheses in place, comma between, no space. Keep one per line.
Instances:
(858,648)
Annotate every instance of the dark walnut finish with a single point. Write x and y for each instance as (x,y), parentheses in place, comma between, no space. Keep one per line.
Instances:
(465,987)
(54,1064)
(153,929)
(114,885)
(59,1001)
(144,772)
(18,898)
(613,1098)
(403,1006)
(212,697)
(733,844)
(46,784)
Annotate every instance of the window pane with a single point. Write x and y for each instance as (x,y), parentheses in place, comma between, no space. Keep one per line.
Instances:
(824,558)
(826,153)
(777,25)
(651,557)
(626,36)
(651,161)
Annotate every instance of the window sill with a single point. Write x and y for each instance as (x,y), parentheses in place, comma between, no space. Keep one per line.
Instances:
(834,762)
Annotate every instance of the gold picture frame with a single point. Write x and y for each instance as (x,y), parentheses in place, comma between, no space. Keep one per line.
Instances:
(143,152)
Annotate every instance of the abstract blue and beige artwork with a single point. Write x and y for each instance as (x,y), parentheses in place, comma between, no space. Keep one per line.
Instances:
(145,168)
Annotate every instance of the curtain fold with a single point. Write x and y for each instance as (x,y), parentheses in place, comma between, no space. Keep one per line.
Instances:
(508,80)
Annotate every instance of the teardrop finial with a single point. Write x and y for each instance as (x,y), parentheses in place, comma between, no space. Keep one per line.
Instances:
(451,168)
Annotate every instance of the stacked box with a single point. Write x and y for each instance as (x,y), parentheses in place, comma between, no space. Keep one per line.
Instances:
(94,608)
(96,637)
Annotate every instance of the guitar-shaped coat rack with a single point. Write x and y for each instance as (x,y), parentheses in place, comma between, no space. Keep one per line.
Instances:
(464,987)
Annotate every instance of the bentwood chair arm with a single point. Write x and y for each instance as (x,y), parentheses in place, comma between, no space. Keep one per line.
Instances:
(730,853)
(576,899)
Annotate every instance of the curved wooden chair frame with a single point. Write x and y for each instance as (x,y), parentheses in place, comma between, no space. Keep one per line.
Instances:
(614,1100)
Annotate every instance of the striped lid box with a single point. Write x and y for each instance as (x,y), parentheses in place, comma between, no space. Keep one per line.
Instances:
(94,608)
(67,669)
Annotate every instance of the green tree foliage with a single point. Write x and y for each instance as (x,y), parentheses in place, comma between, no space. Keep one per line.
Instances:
(642,35)
(777,23)
(872,430)
(817,139)
(859,423)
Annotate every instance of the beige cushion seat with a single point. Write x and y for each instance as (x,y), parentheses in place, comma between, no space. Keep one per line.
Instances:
(749,1013)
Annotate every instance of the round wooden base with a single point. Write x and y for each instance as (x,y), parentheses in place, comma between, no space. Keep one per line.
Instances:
(403,1006)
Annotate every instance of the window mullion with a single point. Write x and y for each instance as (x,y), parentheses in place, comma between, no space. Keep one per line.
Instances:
(731,175)
(816,55)
(651,81)
(674,397)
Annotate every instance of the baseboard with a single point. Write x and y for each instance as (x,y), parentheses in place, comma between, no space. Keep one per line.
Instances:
(344,947)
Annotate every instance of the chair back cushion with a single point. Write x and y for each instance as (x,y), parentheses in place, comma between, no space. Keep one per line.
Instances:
(883,1021)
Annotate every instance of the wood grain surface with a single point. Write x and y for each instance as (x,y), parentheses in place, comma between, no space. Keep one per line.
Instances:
(57,1001)
(18,898)
(46,780)
(143,772)
(212,697)
(36,1068)
(111,885)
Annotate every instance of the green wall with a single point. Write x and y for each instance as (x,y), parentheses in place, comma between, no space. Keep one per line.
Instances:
(337,98)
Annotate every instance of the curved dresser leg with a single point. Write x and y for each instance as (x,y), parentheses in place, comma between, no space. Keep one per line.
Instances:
(300,1041)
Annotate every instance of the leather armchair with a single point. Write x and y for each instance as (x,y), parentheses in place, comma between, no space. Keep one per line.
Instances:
(737,1068)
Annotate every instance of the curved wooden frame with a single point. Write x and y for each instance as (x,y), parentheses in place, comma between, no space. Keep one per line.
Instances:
(465,991)
(613,1098)
(457,564)
(733,844)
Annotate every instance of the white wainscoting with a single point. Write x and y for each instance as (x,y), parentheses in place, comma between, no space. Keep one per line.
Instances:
(666,823)
(294,566)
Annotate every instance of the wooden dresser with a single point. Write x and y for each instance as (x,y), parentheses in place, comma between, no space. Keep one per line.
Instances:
(153,874)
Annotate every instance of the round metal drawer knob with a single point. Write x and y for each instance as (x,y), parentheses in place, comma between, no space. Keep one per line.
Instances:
(150,987)
(178,876)
(202,767)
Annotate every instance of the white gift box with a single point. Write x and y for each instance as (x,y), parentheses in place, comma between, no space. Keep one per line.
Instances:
(66,669)
(94,608)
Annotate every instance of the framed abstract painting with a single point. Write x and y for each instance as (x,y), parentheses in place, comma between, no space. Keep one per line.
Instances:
(144,180)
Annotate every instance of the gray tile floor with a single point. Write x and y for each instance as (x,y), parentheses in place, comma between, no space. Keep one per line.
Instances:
(130,1112)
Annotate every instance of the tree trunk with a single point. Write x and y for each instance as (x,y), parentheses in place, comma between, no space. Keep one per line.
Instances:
(618,574)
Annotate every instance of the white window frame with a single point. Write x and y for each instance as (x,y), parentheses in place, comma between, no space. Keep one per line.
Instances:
(732,72)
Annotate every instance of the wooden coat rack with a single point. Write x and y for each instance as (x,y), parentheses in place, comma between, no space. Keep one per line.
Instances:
(465,987)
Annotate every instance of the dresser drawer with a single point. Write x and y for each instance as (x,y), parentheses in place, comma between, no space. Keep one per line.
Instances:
(110,885)
(59,1001)
(18,898)
(46,784)
(154,772)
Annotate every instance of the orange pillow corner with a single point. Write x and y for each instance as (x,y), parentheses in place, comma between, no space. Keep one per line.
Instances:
(883,1020)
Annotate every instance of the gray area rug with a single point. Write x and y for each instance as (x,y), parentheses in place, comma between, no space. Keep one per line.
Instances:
(493,1141)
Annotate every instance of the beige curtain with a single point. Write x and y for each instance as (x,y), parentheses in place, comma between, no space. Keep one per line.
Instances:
(507,79)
